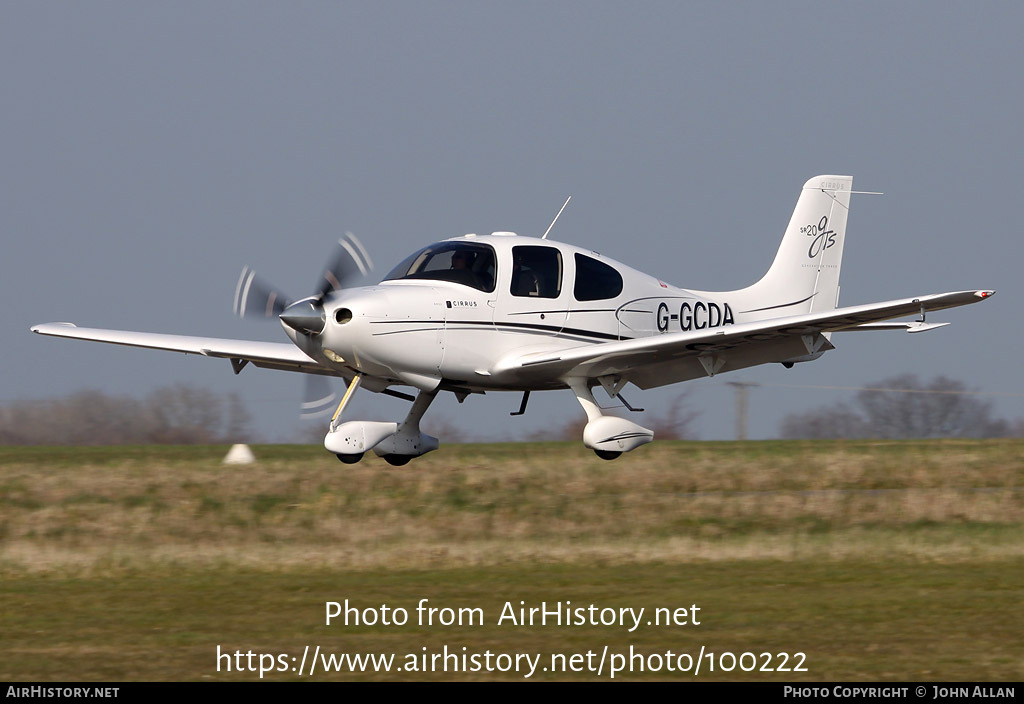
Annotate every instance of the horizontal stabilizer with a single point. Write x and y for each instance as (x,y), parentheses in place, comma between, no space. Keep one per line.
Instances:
(914,326)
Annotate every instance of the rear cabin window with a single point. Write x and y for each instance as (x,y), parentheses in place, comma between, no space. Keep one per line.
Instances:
(595,280)
(536,271)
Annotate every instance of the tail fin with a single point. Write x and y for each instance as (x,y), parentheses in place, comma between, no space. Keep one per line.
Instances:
(804,278)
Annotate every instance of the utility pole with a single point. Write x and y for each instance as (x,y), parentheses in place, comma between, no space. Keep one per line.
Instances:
(741,390)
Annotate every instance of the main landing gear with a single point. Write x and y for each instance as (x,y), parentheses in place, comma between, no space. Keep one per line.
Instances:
(398,443)
(395,443)
(607,436)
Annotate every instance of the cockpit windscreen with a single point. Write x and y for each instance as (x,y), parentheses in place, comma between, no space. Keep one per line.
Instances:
(458,262)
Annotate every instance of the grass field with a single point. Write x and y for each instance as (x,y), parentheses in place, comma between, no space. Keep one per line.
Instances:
(877,560)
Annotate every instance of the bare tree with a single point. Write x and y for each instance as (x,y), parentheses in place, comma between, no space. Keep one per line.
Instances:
(176,414)
(839,421)
(677,423)
(84,418)
(185,414)
(902,407)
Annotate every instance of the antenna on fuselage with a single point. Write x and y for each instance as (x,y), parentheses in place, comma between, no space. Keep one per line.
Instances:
(556,218)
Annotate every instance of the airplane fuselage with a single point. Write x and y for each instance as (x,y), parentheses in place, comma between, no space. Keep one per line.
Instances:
(418,331)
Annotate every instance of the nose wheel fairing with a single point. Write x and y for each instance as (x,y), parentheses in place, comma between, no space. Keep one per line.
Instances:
(358,436)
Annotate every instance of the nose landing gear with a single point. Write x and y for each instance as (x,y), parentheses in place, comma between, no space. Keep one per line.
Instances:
(395,443)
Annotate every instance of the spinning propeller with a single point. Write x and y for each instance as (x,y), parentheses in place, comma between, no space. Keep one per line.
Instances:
(257,298)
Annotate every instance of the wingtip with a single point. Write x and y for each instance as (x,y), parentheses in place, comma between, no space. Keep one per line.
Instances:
(39,328)
(984,294)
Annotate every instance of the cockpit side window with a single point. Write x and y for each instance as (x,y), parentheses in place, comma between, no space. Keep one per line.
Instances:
(595,280)
(458,262)
(536,271)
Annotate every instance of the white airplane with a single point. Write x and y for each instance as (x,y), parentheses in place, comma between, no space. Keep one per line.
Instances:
(507,313)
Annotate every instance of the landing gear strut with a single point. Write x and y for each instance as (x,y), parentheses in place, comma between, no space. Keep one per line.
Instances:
(607,436)
(409,441)
(396,443)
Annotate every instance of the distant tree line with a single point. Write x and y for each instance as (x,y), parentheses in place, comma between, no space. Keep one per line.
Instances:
(897,407)
(170,415)
(904,407)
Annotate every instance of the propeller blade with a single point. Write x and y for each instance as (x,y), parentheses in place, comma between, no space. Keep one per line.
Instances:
(351,263)
(255,298)
(318,399)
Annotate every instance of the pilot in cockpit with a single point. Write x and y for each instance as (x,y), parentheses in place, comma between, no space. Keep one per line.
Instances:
(462,268)
(462,259)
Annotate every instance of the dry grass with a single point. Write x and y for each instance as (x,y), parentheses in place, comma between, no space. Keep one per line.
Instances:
(490,504)
(882,561)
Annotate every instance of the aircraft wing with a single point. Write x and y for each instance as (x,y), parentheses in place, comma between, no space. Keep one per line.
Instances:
(671,357)
(272,355)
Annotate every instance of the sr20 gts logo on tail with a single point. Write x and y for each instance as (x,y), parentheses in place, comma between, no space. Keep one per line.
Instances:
(823,238)
(696,316)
